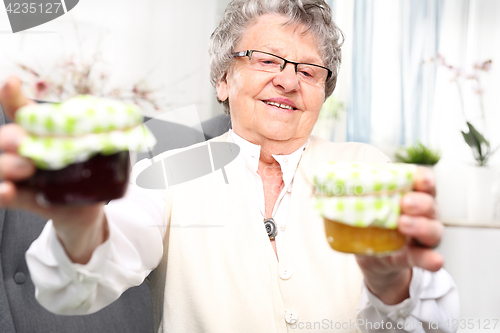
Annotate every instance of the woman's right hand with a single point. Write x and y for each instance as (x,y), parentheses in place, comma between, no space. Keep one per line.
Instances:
(79,228)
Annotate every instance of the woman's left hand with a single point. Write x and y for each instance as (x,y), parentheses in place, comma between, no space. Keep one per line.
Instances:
(389,277)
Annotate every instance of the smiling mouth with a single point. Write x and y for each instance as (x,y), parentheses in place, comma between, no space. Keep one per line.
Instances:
(281,106)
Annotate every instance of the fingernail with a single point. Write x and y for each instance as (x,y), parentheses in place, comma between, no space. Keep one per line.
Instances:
(3,85)
(23,164)
(429,179)
(408,201)
(407,222)
(14,143)
(11,140)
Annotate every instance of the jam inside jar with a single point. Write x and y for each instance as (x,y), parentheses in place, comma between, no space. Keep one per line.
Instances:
(366,241)
(100,178)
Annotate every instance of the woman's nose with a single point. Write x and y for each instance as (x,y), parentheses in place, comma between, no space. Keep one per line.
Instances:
(287,78)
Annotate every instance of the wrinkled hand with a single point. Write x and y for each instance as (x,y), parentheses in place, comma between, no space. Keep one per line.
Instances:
(389,277)
(80,228)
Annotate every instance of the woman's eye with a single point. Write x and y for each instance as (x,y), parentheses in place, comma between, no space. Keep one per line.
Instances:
(269,62)
(307,74)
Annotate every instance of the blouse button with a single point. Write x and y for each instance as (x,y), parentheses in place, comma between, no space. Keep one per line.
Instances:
(286,273)
(291,316)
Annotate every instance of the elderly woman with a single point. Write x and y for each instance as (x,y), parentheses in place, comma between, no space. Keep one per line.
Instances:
(273,63)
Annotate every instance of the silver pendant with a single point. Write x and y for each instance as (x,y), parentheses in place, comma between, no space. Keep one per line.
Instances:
(271,228)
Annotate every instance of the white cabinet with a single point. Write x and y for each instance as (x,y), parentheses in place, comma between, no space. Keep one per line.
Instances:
(472,257)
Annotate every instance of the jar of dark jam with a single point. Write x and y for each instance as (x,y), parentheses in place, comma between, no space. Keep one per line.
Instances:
(100,178)
(80,148)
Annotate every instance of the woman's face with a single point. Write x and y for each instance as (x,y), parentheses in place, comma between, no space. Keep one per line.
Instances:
(250,91)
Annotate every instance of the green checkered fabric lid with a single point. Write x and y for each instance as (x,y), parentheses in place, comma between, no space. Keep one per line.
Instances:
(73,131)
(362,194)
(79,115)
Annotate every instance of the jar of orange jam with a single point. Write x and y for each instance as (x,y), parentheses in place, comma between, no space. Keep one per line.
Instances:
(360,204)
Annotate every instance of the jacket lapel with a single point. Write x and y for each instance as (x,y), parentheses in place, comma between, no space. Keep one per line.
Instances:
(6,322)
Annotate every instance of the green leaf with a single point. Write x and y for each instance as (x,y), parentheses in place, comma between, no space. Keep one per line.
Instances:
(473,139)
(479,137)
(470,139)
(476,140)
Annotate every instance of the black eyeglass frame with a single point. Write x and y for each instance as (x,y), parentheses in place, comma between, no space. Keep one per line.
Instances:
(248,53)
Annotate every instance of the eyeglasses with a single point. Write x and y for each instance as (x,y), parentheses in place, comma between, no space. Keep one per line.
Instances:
(268,62)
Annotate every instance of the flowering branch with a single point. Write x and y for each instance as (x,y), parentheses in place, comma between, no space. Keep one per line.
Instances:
(479,145)
(85,77)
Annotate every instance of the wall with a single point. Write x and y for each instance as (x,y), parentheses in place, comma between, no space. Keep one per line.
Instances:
(162,41)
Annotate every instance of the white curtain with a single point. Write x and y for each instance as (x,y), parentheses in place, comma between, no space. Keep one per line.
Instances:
(359,105)
(391,86)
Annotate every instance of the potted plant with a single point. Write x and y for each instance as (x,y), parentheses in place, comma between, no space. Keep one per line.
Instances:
(480,196)
(418,154)
(480,193)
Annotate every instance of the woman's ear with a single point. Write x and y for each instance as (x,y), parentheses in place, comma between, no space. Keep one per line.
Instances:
(222,89)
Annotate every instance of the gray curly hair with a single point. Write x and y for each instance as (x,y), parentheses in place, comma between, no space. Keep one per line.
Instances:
(316,15)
